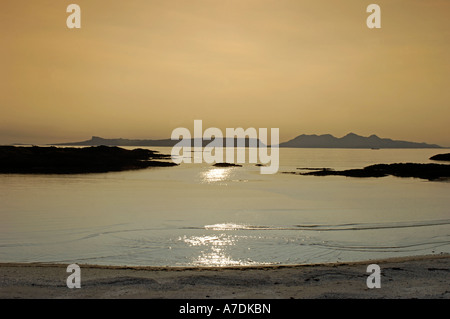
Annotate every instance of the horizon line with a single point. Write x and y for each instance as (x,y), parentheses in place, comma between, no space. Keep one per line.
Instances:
(227,137)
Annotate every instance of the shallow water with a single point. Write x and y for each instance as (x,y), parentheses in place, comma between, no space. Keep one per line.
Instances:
(196,214)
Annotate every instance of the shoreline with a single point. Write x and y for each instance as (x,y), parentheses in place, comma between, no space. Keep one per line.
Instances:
(424,277)
(218,268)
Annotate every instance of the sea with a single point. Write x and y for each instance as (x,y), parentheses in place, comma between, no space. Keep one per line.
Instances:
(198,215)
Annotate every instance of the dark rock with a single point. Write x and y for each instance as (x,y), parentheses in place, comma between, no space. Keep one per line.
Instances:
(441,157)
(424,171)
(55,160)
(226,165)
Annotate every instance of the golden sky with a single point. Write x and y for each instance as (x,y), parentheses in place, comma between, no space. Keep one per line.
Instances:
(141,68)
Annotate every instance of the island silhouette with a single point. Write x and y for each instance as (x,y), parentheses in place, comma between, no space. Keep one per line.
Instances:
(350,140)
(95,141)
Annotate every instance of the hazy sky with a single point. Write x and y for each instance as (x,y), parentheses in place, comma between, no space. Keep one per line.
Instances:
(139,69)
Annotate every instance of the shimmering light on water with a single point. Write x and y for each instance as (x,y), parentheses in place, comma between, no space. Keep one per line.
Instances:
(217,250)
(216,175)
(213,250)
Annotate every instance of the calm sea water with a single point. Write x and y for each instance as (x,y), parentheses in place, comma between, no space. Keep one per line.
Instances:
(199,215)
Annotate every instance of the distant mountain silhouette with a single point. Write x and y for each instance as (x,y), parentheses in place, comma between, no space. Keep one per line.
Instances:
(351,140)
(96,141)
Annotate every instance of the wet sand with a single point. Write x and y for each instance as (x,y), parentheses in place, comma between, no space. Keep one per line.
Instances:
(420,277)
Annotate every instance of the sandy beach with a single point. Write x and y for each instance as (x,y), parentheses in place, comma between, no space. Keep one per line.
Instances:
(420,277)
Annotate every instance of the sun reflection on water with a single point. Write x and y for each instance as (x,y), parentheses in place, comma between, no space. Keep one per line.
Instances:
(226,226)
(216,250)
(216,175)
(220,240)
